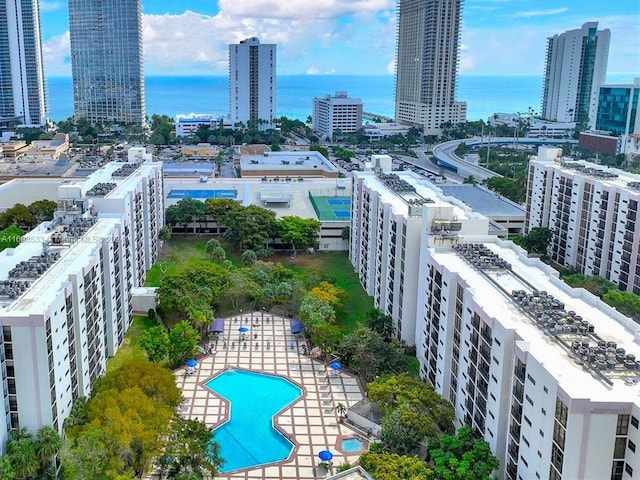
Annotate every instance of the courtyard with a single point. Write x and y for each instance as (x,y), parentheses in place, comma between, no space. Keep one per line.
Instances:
(311,422)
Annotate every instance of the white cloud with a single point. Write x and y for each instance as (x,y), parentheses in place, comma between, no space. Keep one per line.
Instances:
(51,6)
(56,55)
(298,9)
(539,13)
(313,71)
(391,67)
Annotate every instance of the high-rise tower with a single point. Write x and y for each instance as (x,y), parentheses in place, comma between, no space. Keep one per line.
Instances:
(106,61)
(22,94)
(427,63)
(575,67)
(252,83)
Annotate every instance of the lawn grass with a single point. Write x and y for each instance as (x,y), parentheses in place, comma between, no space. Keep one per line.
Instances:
(335,265)
(130,348)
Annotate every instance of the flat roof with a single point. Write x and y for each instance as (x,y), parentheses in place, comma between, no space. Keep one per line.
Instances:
(484,201)
(571,376)
(38,297)
(286,160)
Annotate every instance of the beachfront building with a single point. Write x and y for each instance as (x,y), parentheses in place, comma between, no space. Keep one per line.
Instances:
(428,38)
(187,125)
(22,93)
(546,374)
(592,211)
(336,114)
(575,67)
(618,112)
(106,61)
(66,290)
(394,216)
(252,84)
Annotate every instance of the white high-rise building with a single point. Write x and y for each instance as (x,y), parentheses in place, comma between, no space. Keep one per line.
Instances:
(391,214)
(65,291)
(546,374)
(22,92)
(427,64)
(336,114)
(592,211)
(252,83)
(575,68)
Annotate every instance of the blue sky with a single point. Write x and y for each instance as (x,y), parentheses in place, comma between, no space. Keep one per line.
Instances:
(350,37)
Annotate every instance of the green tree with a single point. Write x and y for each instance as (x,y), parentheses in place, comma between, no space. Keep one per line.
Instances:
(164,234)
(380,322)
(184,212)
(627,303)
(462,457)
(366,352)
(219,209)
(6,469)
(22,453)
(155,342)
(47,443)
(249,258)
(218,255)
(251,227)
(183,343)
(390,466)
(211,245)
(537,240)
(10,237)
(397,436)
(88,458)
(43,210)
(301,233)
(189,449)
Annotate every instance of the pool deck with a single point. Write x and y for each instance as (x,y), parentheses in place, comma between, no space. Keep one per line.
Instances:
(311,422)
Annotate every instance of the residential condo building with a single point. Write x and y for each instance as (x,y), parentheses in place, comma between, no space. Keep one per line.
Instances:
(336,114)
(106,61)
(66,290)
(575,67)
(22,92)
(252,83)
(546,374)
(391,215)
(428,39)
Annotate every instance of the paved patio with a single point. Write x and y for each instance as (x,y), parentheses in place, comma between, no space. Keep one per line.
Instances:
(311,422)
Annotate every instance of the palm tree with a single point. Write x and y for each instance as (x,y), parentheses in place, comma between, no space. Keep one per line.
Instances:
(249,257)
(22,454)
(341,410)
(47,442)
(6,469)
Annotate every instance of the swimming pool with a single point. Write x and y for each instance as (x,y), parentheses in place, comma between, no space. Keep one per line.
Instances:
(351,445)
(248,438)
(203,194)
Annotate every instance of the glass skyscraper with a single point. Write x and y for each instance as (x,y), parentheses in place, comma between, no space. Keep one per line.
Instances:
(106,61)
(22,93)
(618,108)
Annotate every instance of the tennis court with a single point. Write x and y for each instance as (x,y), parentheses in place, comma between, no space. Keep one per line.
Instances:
(203,194)
(331,208)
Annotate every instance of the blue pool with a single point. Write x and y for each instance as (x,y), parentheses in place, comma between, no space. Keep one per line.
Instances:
(203,194)
(351,445)
(248,438)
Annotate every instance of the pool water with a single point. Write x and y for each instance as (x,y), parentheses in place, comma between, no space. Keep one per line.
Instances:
(350,445)
(248,438)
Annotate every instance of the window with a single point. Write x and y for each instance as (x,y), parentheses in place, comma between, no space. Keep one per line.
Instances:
(634,421)
(632,446)
(623,425)
(628,469)
(620,447)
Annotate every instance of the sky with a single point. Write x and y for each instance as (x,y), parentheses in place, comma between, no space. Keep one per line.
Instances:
(351,37)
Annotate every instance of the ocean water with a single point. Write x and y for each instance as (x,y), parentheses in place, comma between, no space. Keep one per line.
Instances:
(485,95)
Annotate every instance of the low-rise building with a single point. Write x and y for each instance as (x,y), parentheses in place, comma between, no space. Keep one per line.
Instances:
(280,165)
(189,124)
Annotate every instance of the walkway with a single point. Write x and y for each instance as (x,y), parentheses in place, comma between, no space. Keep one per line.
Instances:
(311,422)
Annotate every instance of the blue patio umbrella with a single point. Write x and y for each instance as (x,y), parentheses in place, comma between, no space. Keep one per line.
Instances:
(243,329)
(191,363)
(325,455)
(336,365)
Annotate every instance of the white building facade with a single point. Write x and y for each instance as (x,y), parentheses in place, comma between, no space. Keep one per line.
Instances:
(65,292)
(187,125)
(575,68)
(391,215)
(337,113)
(22,93)
(592,211)
(252,83)
(428,39)
(546,374)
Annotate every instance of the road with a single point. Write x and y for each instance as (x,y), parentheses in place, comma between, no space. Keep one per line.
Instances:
(445,154)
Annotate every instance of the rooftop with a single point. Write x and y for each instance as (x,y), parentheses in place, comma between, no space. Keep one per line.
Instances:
(483,201)
(502,286)
(286,160)
(606,175)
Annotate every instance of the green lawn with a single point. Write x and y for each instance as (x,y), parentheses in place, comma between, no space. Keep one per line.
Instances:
(178,251)
(131,349)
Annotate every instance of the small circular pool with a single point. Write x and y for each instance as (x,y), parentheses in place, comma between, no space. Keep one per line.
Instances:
(351,445)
